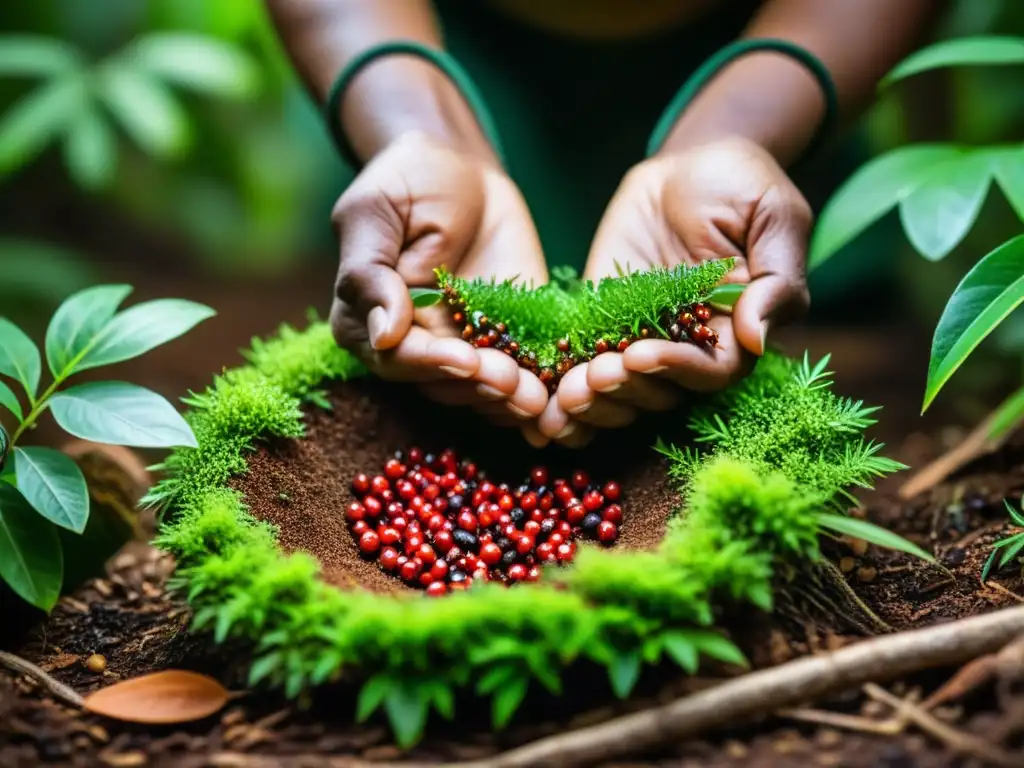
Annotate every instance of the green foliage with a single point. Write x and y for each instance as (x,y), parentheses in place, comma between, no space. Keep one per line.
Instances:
(47,490)
(1011,546)
(980,50)
(744,517)
(537,317)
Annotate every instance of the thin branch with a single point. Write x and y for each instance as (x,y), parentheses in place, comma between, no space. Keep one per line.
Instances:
(766,691)
(56,688)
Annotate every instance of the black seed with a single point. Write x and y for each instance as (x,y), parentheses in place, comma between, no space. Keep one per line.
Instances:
(503,543)
(517,515)
(509,557)
(429,459)
(468,542)
(548,526)
(455,576)
(541,491)
(590,522)
(455,501)
(675,332)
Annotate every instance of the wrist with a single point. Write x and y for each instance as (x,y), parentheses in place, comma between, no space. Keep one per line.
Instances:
(398,95)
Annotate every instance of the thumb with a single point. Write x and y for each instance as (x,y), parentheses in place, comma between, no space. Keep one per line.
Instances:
(776,261)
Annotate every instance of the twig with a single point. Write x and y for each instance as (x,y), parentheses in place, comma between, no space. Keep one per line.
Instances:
(56,688)
(1000,588)
(768,690)
(962,743)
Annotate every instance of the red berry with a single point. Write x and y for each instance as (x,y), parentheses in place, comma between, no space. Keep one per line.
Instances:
(564,528)
(547,501)
(563,493)
(443,541)
(390,536)
(361,484)
(612,513)
(373,506)
(524,544)
(539,476)
(529,502)
(379,484)
(355,512)
(389,558)
(517,572)
(702,312)
(426,553)
(623,345)
(612,491)
(400,524)
(557,538)
(415,456)
(439,569)
(593,501)
(469,471)
(580,480)
(506,503)
(386,496)
(533,574)
(416,503)
(437,589)
(485,517)
(538,516)
(490,553)
(686,319)
(531,527)
(406,490)
(410,570)
(467,521)
(412,544)
(601,346)
(563,345)
(607,532)
(431,492)
(545,552)
(565,552)
(575,513)
(359,528)
(700,334)
(394,469)
(369,543)
(435,523)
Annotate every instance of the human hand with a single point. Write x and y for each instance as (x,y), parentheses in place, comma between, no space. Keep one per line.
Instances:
(725,199)
(417,206)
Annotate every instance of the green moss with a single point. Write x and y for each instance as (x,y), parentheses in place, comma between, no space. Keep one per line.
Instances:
(751,495)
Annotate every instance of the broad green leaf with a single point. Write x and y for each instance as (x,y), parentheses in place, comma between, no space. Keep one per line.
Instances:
(30,553)
(506,701)
(717,647)
(407,713)
(147,109)
(623,672)
(78,322)
(141,328)
(990,291)
(19,357)
(204,64)
(941,211)
(371,696)
(1009,173)
(683,651)
(31,123)
(90,150)
(875,534)
(121,414)
(10,401)
(424,297)
(964,51)
(874,190)
(726,295)
(54,485)
(36,55)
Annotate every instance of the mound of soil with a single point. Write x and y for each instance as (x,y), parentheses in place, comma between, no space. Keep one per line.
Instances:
(304,486)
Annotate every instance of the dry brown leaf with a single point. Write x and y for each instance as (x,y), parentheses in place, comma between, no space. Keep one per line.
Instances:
(162,698)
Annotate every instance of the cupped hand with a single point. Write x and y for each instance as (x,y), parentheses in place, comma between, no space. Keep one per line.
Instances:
(725,199)
(417,206)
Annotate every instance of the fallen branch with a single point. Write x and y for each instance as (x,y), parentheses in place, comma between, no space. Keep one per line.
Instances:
(763,692)
(56,688)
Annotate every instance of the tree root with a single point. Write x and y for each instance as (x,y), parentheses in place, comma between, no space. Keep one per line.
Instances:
(763,692)
(821,588)
(53,686)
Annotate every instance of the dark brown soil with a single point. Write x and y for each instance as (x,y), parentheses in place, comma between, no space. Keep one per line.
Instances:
(303,487)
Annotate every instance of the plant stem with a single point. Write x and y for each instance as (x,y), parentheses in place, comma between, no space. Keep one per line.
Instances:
(38,406)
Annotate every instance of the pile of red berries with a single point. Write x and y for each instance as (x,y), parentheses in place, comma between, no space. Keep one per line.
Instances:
(437,522)
(686,323)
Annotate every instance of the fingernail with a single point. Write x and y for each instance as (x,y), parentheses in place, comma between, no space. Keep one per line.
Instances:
(489,392)
(457,372)
(582,407)
(518,411)
(764,335)
(535,439)
(376,325)
(609,388)
(655,369)
(569,429)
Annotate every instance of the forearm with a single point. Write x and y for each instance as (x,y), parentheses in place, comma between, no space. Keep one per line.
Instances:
(391,96)
(774,100)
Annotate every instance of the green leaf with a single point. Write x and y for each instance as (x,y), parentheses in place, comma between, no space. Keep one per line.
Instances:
(78,322)
(875,534)
(121,414)
(1007,417)
(10,401)
(726,295)
(30,555)
(965,51)
(683,651)
(623,672)
(371,696)
(141,328)
(90,150)
(873,191)
(507,699)
(407,713)
(1008,168)
(990,291)
(424,297)
(988,565)
(147,109)
(941,211)
(28,125)
(19,357)
(41,272)
(54,485)
(36,55)
(204,64)
(717,647)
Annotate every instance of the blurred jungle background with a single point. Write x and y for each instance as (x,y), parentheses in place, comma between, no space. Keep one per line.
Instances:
(166,143)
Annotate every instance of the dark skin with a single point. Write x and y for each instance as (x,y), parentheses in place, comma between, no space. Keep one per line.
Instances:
(433,193)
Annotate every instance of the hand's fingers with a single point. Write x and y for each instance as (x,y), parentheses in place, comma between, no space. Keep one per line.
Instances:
(421,356)
(607,375)
(533,436)
(498,374)
(690,366)
(371,234)
(554,423)
(776,259)
(576,398)
(578,435)
(530,397)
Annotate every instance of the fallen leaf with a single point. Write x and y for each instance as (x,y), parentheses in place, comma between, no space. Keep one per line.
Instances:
(162,698)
